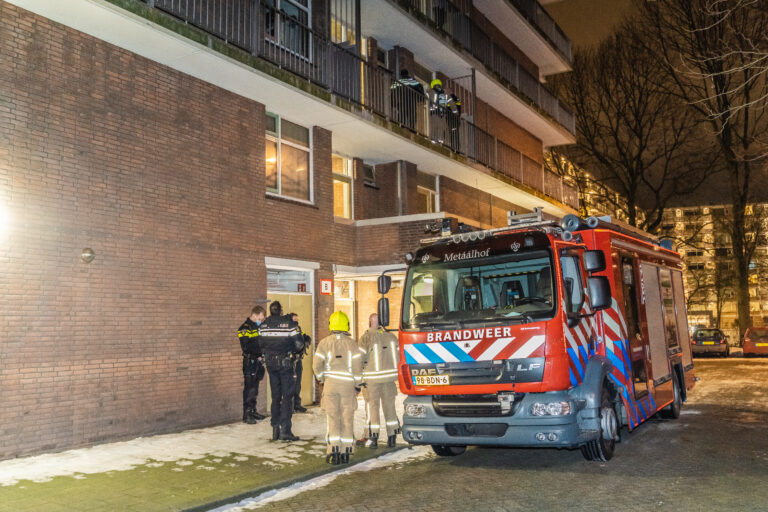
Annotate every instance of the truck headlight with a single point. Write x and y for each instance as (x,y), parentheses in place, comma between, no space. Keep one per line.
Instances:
(416,410)
(551,409)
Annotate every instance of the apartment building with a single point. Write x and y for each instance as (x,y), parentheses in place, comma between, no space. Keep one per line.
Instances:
(167,164)
(703,236)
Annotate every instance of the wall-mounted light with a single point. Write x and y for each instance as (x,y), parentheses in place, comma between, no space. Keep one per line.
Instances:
(87,255)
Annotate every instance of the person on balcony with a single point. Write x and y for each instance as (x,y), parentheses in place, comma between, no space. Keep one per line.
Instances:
(438,110)
(407,98)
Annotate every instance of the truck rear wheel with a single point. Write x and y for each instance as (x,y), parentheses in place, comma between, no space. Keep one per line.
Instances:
(672,411)
(448,451)
(601,449)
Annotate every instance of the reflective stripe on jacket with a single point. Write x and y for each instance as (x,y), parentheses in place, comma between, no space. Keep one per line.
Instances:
(337,359)
(380,355)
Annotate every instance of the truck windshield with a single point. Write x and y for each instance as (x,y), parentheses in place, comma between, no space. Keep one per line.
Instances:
(446,295)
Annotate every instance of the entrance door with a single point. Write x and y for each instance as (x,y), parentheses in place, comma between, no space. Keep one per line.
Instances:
(294,290)
(344,300)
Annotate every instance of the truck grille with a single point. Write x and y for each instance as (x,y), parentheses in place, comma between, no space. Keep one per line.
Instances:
(472,406)
(476,429)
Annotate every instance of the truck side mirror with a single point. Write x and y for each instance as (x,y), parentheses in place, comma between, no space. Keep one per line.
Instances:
(385,283)
(594,261)
(599,292)
(383,311)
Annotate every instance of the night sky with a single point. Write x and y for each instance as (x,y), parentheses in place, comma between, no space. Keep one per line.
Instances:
(587,22)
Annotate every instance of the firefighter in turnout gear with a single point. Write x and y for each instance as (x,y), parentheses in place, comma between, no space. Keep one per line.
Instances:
(280,340)
(380,354)
(253,364)
(336,364)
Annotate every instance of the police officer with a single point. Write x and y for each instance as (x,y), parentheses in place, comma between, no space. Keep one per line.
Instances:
(337,365)
(297,407)
(280,339)
(380,355)
(253,365)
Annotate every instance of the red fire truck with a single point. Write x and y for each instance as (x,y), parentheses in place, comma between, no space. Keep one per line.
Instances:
(540,334)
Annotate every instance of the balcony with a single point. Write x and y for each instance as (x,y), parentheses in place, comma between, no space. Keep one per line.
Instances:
(543,41)
(273,36)
(500,77)
(262,55)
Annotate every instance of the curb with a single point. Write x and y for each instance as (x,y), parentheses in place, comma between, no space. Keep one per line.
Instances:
(261,490)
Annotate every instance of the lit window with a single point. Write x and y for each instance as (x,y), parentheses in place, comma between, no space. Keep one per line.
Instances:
(288,170)
(426,187)
(342,186)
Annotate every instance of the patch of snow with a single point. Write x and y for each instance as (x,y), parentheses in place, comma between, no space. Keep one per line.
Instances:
(390,459)
(237,439)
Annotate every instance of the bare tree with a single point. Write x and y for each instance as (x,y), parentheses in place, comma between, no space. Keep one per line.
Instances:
(636,138)
(716,55)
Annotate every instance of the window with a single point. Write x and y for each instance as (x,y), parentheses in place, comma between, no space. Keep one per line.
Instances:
(286,23)
(454,293)
(572,283)
(287,159)
(426,187)
(342,186)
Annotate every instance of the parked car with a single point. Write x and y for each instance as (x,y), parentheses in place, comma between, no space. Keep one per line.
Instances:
(710,341)
(755,341)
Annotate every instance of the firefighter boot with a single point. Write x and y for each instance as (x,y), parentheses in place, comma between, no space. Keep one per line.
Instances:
(333,457)
(391,440)
(258,416)
(275,433)
(373,442)
(288,436)
(345,455)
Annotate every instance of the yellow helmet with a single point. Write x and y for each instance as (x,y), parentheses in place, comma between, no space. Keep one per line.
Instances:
(339,322)
(435,82)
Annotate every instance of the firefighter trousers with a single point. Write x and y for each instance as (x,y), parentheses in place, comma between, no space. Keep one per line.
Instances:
(381,396)
(339,406)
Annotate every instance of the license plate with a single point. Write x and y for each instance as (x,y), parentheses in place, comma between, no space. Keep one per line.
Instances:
(431,380)
(761,344)
(707,342)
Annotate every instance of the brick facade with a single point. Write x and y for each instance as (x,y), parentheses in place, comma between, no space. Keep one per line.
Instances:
(162,175)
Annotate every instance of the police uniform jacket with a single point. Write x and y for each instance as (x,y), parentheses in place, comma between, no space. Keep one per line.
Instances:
(280,339)
(248,334)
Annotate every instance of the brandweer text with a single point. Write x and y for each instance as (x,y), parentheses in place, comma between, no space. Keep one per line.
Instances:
(469,334)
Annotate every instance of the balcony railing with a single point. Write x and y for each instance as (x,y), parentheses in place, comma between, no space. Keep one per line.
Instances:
(290,45)
(537,16)
(450,20)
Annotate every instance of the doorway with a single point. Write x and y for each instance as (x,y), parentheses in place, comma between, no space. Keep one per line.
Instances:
(294,289)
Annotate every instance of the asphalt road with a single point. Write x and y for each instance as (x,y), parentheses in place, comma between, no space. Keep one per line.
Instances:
(714,457)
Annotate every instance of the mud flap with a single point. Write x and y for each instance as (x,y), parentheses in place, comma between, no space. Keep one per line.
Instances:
(588,393)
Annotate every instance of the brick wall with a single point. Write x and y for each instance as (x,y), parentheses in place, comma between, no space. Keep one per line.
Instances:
(162,175)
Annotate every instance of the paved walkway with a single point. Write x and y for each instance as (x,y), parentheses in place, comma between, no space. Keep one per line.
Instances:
(171,472)
(713,458)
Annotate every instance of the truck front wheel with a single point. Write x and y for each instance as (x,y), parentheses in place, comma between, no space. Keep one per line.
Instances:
(602,448)
(448,451)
